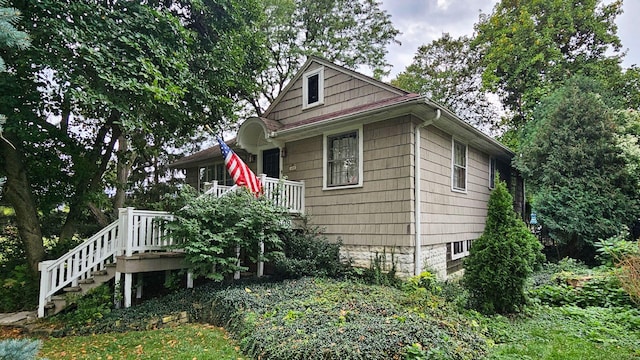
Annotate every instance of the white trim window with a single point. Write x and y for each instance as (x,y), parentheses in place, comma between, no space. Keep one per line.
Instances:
(342,159)
(492,172)
(313,88)
(460,249)
(458,166)
(214,172)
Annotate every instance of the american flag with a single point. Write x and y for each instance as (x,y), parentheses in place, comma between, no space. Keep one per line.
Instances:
(240,172)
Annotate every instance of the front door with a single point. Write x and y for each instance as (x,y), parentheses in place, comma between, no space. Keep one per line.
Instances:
(271,163)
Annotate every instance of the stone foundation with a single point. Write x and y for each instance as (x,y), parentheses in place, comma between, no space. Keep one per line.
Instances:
(434,258)
(364,255)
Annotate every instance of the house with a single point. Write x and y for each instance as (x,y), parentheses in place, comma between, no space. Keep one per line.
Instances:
(385,170)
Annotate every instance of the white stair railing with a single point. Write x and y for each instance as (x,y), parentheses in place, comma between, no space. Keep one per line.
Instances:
(91,255)
(139,231)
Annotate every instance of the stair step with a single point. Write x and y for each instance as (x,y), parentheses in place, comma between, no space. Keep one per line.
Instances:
(100,273)
(110,265)
(72,289)
(86,281)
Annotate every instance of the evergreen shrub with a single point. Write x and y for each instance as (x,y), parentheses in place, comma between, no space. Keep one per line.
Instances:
(500,261)
(19,349)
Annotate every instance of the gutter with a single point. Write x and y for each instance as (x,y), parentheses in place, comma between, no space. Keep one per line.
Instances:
(417,197)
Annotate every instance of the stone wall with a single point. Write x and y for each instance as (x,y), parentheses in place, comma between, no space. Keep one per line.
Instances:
(434,258)
(364,255)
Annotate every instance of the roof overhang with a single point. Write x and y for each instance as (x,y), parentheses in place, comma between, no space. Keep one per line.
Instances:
(420,107)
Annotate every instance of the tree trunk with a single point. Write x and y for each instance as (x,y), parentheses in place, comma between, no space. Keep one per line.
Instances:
(18,192)
(123,168)
(100,156)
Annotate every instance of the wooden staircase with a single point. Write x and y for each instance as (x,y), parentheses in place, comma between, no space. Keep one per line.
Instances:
(97,278)
(124,248)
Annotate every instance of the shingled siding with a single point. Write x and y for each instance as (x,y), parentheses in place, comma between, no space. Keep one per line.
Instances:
(341,91)
(448,215)
(377,214)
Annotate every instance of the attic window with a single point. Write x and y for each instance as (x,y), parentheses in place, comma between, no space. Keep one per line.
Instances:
(313,88)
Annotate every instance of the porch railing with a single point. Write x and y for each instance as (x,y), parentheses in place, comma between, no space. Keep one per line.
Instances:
(138,231)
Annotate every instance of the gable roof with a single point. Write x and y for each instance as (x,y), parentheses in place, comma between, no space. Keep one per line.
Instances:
(324,62)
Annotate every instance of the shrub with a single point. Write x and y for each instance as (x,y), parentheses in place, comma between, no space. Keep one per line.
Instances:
(23,349)
(630,276)
(84,310)
(306,252)
(501,259)
(614,249)
(212,228)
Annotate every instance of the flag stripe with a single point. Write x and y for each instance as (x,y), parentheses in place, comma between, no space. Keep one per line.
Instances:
(239,171)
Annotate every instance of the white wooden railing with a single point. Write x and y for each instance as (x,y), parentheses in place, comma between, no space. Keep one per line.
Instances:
(138,231)
(142,233)
(286,193)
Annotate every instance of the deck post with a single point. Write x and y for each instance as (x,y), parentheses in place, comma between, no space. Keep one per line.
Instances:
(44,285)
(117,281)
(189,280)
(139,286)
(261,260)
(128,284)
(236,275)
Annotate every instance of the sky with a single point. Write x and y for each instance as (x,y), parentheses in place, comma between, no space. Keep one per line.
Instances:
(422,21)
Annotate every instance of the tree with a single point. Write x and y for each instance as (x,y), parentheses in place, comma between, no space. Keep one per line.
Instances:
(500,260)
(532,46)
(584,183)
(347,32)
(98,71)
(448,71)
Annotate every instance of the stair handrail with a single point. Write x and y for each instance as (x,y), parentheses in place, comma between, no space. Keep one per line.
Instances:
(89,256)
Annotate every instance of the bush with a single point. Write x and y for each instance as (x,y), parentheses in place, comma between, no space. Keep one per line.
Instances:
(211,229)
(614,249)
(500,260)
(23,349)
(306,252)
(87,309)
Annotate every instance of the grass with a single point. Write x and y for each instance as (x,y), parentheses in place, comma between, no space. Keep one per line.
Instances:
(191,341)
(554,333)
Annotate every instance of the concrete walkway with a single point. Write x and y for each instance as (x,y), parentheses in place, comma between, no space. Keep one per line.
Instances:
(19,318)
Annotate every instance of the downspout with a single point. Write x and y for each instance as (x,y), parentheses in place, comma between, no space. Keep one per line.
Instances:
(417,197)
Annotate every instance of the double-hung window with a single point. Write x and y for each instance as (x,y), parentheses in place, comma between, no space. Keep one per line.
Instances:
(313,88)
(459,166)
(343,159)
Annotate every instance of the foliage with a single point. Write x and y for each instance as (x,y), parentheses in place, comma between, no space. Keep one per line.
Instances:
(568,332)
(82,310)
(318,319)
(529,47)
(306,252)
(448,71)
(629,276)
(616,248)
(23,349)
(350,33)
(501,260)
(602,289)
(311,319)
(18,288)
(10,36)
(149,73)
(210,229)
(380,272)
(577,173)
(188,341)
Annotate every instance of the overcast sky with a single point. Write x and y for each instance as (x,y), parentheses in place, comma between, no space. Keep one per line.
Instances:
(422,21)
